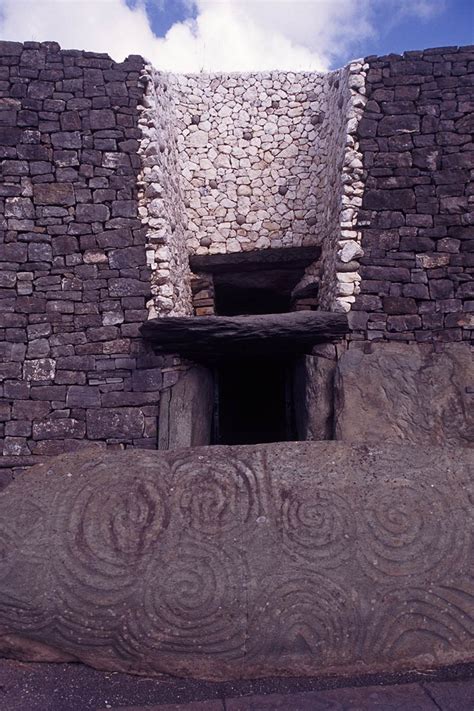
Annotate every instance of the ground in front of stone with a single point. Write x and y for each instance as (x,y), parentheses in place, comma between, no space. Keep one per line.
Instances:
(75,687)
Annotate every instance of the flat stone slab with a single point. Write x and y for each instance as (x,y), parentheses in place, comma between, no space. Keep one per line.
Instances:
(255,260)
(197,336)
(239,562)
(403,392)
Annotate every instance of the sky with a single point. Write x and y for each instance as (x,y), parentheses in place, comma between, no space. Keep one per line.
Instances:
(241,35)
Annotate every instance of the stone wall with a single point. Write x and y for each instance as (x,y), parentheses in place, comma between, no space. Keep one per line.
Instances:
(241,162)
(342,198)
(253,150)
(162,206)
(279,159)
(113,173)
(73,276)
(417,222)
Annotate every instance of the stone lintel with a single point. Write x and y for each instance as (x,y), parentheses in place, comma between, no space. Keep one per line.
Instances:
(243,335)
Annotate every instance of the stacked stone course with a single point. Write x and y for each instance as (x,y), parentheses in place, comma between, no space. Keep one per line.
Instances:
(417,222)
(113,173)
(253,149)
(241,162)
(341,244)
(162,207)
(73,276)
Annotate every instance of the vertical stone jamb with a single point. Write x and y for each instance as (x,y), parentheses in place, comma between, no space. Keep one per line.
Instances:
(350,243)
(161,206)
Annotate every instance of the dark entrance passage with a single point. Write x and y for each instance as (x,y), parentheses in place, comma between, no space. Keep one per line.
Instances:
(253,401)
(264,292)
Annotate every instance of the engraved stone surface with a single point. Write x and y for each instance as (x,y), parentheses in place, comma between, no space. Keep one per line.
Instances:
(406,393)
(232,562)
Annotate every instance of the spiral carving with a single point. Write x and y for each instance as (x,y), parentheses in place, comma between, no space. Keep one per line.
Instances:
(240,561)
(439,620)
(16,594)
(109,527)
(402,535)
(216,495)
(6,549)
(115,520)
(192,604)
(308,615)
(317,526)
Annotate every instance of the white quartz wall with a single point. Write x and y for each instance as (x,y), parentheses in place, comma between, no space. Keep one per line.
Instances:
(341,247)
(235,162)
(161,205)
(253,151)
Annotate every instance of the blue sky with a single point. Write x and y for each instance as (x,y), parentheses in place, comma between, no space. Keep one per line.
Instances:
(163,15)
(240,35)
(451,24)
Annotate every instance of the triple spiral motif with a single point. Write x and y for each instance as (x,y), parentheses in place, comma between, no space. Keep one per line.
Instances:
(219,556)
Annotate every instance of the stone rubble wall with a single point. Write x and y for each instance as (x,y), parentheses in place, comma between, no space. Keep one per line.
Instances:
(264,160)
(341,245)
(108,185)
(160,198)
(417,218)
(253,149)
(73,277)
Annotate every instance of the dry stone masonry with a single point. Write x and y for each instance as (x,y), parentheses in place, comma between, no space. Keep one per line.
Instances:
(73,274)
(161,203)
(253,152)
(254,161)
(417,222)
(113,174)
(341,240)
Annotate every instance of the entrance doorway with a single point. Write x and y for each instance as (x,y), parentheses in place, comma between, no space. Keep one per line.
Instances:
(254,401)
(249,391)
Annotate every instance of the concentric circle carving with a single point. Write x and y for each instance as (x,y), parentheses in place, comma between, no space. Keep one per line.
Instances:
(408,529)
(108,528)
(438,620)
(215,495)
(300,612)
(239,561)
(192,604)
(17,572)
(116,519)
(318,526)
(6,550)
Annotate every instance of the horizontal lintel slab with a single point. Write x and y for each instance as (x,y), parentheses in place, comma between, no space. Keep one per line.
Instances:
(243,335)
(255,260)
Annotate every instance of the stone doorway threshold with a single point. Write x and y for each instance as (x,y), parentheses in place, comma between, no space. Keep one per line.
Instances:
(75,687)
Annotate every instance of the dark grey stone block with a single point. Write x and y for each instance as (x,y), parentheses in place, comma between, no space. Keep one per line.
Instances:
(233,562)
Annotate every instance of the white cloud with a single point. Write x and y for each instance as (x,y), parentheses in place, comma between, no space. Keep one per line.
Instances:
(227,35)
(95,25)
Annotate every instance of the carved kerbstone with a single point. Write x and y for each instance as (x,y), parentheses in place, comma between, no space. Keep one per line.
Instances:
(228,562)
